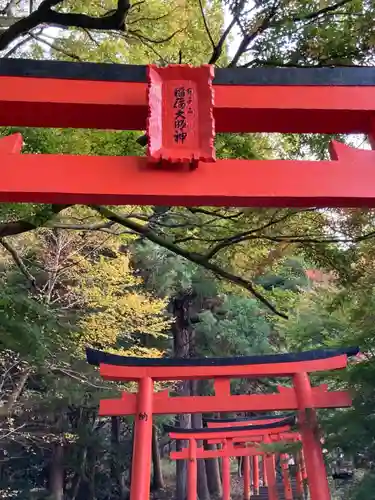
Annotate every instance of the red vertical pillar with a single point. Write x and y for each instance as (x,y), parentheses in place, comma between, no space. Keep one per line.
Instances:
(264,471)
(316,471)
(299,477)
(192,472)
(246,478)
(303,466)
(141,463)
(271,477)
(286,478)
(225,464)
(256,474)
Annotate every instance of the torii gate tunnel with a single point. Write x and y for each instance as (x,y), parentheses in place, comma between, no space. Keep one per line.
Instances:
(302,397)
(270,432)
(181,107)
(240,439)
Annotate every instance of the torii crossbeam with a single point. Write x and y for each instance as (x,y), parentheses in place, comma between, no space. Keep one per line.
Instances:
(52,94)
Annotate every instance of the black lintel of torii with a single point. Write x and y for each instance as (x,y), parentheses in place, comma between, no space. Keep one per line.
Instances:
(263,76)
(96,357)
(247,419)
(290,421)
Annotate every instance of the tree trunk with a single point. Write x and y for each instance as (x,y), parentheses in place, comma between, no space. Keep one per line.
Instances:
(196,422)
(56,475)
(157,478)
(6,409)
(118,475)
(213,473)
(184,421)
(181,328)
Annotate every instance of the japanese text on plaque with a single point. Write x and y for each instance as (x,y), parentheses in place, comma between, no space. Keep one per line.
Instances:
(183,99)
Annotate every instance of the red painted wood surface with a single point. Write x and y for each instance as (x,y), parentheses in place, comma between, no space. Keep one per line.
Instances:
(123,373)
(225,477)
(208,404)
(192,472)
(270,467)
(255,474)
(43,102)
(142,445)
(134,180)
(246,478)
(241,442)
(312,449)
(11,144)
(184,454)
(180,124)
(286,477)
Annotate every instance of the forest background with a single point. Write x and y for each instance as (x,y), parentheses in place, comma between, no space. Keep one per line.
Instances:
(172,281)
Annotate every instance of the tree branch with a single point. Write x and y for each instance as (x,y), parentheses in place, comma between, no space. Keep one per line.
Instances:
(206,24)
(45,15)
(247,39)
(55,47)
(218,48)
(246,235)
(318,13)
(7,408)
(198,259)
(215,213)
(269,23)
(85,227)
(18,261)
(29,224)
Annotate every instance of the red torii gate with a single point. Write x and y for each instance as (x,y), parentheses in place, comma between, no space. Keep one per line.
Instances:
(226,435)
(145,402)
(250,421)
(50,94)
(53,94)
(215,423)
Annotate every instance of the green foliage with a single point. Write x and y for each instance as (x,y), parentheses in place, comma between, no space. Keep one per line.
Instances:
(116,310)
(238,327)
(341,36)
(366,488)
(282,447)
(28,327)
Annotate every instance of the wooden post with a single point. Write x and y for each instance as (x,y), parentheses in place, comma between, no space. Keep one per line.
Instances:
(142,447)
(264,471)
(303,466)
(246,478)
(299,477)
(225,469)
(315,467)
(192,472)
(271,477)
(255,461)
(286,478)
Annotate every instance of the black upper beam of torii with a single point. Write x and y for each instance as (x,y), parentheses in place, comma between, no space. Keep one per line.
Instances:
(345,76)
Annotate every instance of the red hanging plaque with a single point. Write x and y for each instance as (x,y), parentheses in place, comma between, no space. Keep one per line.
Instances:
(180,125)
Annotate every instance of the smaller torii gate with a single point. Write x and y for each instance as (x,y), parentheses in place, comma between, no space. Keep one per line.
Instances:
(300,468)
(300,471)
(214,423)
(240,441)
(301,397)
